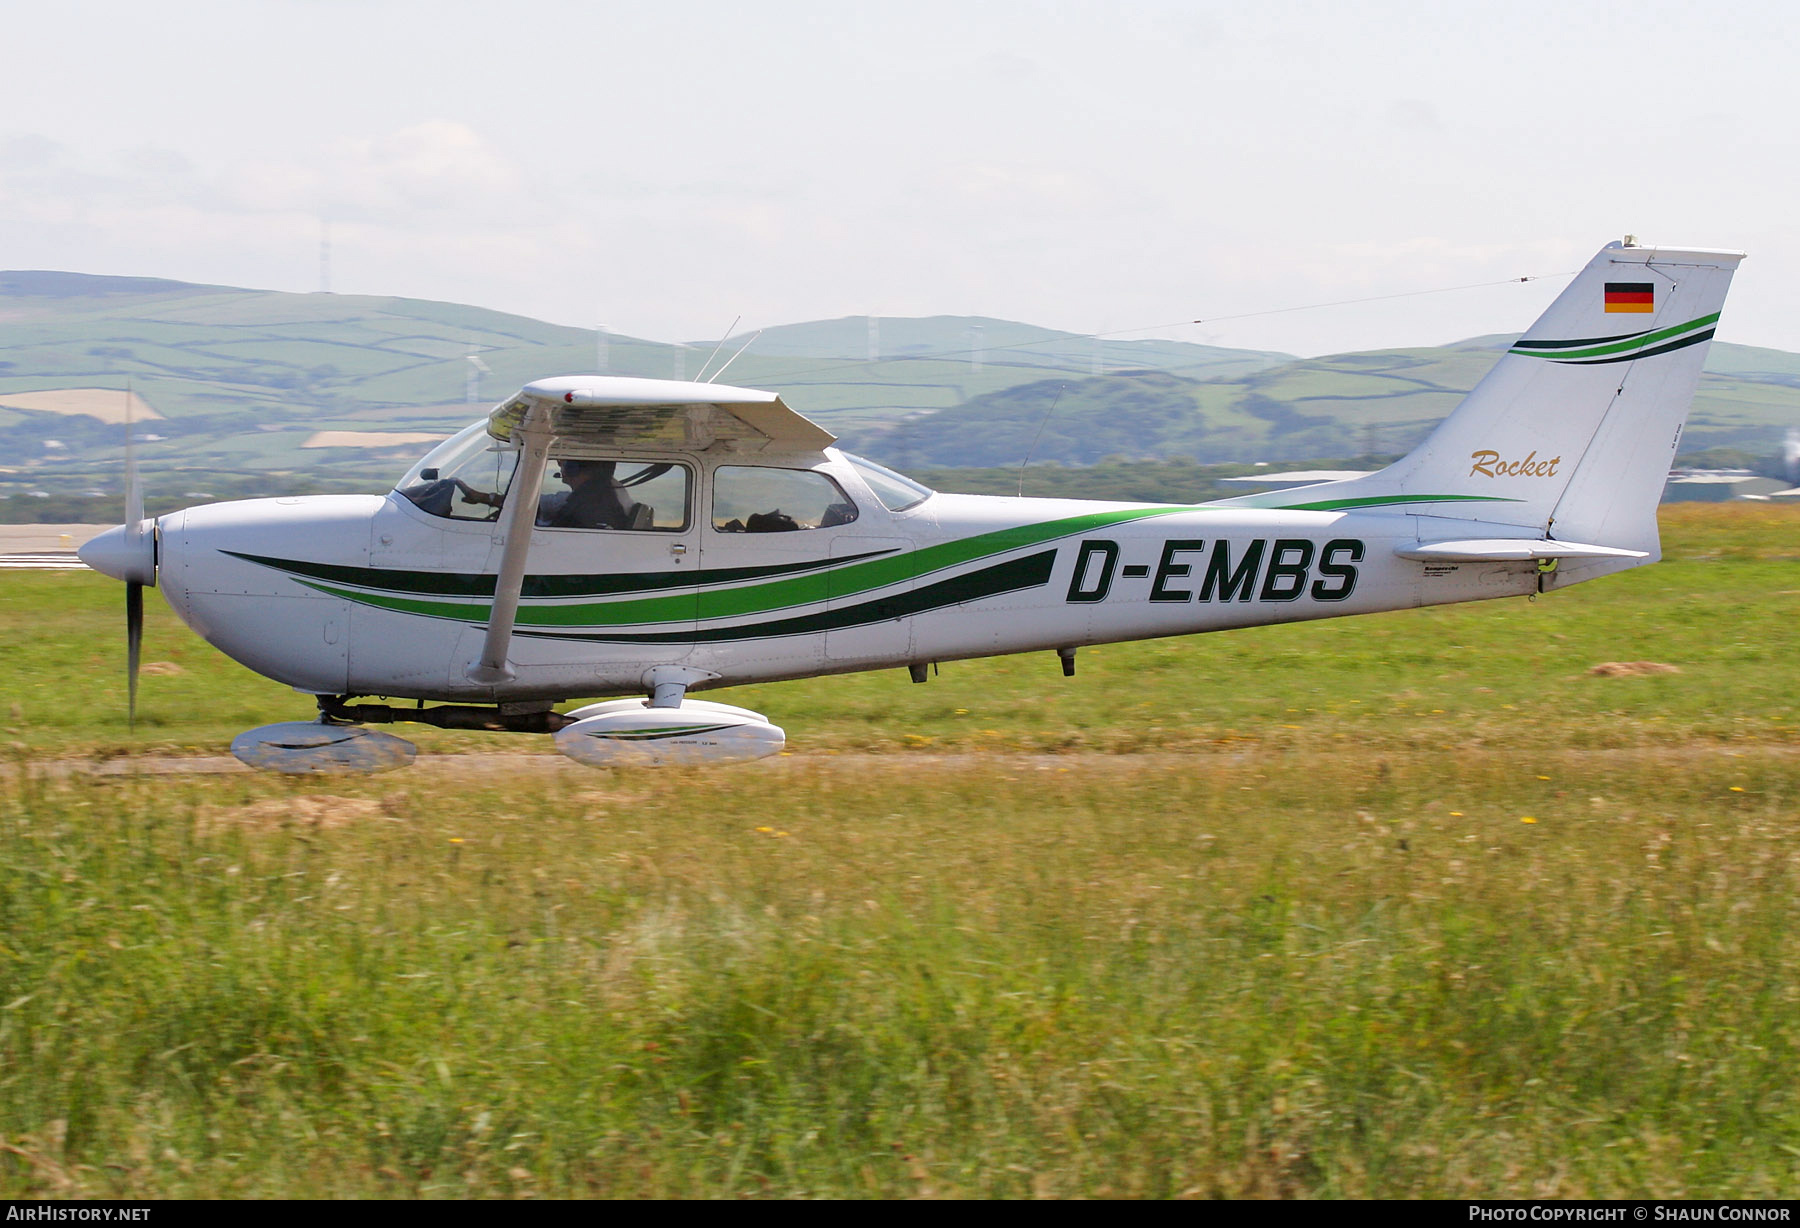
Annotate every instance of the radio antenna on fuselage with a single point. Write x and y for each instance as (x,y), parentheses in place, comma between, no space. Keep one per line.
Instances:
(734,357)
(715,352)
(1060,388)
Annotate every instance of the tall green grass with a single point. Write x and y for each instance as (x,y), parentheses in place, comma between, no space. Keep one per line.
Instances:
(1222,974)
(1399,906)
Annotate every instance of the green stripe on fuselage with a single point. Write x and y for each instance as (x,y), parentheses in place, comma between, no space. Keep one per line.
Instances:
(1349,505)
(769,596)
(1011,576)
(481,584)
(1272,501)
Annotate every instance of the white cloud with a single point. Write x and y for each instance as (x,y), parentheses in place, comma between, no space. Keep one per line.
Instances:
(663,167)
(423,173)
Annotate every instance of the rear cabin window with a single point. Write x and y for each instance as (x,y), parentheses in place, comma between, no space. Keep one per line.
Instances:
(753,499)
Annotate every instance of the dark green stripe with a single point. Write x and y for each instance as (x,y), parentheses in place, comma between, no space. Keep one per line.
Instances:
(655,735)
(1011,576)
(1636,342)
(462,584)
(1339,505)
(899,567)
(1651,353)
(1524,344)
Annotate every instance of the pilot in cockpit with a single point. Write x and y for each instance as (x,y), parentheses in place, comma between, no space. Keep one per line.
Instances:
(591,502)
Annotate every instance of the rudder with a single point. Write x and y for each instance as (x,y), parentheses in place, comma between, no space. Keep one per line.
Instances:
(1571,433)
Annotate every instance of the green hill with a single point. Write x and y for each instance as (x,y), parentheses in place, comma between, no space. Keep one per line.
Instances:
(1344,405)
(242,381)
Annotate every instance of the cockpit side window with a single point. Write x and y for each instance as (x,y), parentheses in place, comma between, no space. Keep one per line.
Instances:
(755,499)
(463,478)
(603,493)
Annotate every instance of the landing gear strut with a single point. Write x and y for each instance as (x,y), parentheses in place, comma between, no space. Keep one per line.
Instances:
(505,718)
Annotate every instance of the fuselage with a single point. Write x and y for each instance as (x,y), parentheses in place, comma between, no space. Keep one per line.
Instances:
(370,595)
(620,536)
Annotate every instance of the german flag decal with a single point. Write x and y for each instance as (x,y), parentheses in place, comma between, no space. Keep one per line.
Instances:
(1631,296)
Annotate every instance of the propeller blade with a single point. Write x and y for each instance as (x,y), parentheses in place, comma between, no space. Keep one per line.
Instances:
(134,493)
(134,642)
(128,553)
(135,525)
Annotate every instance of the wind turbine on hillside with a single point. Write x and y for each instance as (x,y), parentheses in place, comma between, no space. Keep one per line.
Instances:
(477,369)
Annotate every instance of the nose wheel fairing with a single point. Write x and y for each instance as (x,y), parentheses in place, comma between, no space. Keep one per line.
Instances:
(304,748)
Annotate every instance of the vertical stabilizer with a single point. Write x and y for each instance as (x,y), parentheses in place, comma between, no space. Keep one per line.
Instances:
(1572,432)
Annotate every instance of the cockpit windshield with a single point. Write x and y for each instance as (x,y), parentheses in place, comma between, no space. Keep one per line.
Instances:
(896,491)
(463,478)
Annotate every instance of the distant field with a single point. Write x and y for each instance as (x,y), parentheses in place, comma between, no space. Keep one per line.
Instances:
(370,439)
(106,404)
(1404,906)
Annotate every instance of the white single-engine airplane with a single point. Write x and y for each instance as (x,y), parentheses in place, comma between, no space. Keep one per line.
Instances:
(649,539)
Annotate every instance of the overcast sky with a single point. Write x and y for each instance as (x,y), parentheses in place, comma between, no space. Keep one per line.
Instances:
(662,168)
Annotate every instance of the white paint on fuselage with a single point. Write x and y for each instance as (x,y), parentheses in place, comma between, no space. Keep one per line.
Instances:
(277,625)
(254,615)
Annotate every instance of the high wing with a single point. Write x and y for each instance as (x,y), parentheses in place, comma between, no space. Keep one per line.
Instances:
(613,412)
(573,413)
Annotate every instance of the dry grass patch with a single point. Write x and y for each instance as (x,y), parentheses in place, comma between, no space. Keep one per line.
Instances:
(1630,669)
(319,812)
(106,404)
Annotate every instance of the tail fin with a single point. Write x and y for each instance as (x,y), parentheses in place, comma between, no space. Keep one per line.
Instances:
(1571,433)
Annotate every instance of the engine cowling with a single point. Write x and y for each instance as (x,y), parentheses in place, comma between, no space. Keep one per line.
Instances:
(630,733)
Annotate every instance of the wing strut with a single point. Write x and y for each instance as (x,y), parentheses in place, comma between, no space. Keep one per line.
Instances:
(492,667)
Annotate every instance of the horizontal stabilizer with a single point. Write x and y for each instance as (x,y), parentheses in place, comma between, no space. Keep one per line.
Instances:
(1510,550)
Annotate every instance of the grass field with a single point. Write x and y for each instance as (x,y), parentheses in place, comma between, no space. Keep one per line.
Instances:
(1400,906)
